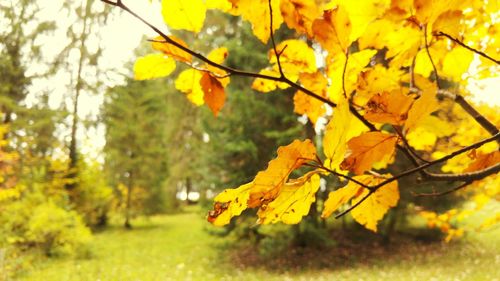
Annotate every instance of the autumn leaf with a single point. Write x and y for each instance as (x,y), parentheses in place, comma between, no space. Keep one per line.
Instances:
(390,108)
(333,30)
(293,202)
(258,14)
(153,66)
(171,50)
(341,196)
(484,161)
(424,105)
(218,56)
(229,203)
(376,80)
(205,86)
(367,149)
(362,13)
(449,23)
(373,209)
(188,82)
(356,63)
(335,139)
(268,183)
(213,90)
(370,211)
(427,11)
(300,14)
(305,104)
(456,63)
(187,15)
(296,57)
(223,5)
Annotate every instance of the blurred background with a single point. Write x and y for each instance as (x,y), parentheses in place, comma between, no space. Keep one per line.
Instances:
(106,178)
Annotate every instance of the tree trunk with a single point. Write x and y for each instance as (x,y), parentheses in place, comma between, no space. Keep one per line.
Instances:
(73,154)
(128,206)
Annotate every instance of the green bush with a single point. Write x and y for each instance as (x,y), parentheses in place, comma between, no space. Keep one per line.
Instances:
(46,227)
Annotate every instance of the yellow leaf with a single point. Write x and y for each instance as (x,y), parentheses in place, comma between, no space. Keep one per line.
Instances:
(456,63)
(229,203)
(218,56)
(391,108)
(341,196)
(429,129)
(265,85)
(297,57)
(268,183)
(257,13)
(153,66)
(335,139)
(373,209)
(300,14)
(293,202)
(449,23)
(376,80)
(335,67)
(333,30)
(305,104)
(171,50)
(214,95)
(188,82)
(223,5)
(362,13)
(484,161)
(367,149)
(424,105)
(187,15)
(426,11)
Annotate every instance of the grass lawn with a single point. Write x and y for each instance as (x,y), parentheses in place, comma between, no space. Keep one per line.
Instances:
(177,247)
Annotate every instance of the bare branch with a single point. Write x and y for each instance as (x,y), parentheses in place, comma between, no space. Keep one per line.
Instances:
(485,123)
(278,54)
(355,205)
(430,58)
(434,194)
(440,33)
(479,175)
(229,70)
(344,70)
(476,175)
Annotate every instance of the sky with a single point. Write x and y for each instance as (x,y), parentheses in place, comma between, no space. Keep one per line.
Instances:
(119,37)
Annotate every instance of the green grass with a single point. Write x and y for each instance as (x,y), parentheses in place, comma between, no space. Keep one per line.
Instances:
(177,247)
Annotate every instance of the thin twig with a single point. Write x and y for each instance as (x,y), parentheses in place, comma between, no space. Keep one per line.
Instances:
(278,54)
(355,205)
(430,58)
(340,175)
(435,194)
(344,70)
(229,70)
(407,145)
(426,165)
(440,33)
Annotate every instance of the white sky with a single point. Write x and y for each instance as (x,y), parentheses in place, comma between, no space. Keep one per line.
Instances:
(119,37)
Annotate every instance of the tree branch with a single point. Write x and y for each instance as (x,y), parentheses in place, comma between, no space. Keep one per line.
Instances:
(444,192)
(276,53)
(229,70)
(485,123)
(344,70)
(440,33)
(473,176)
(430,57)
